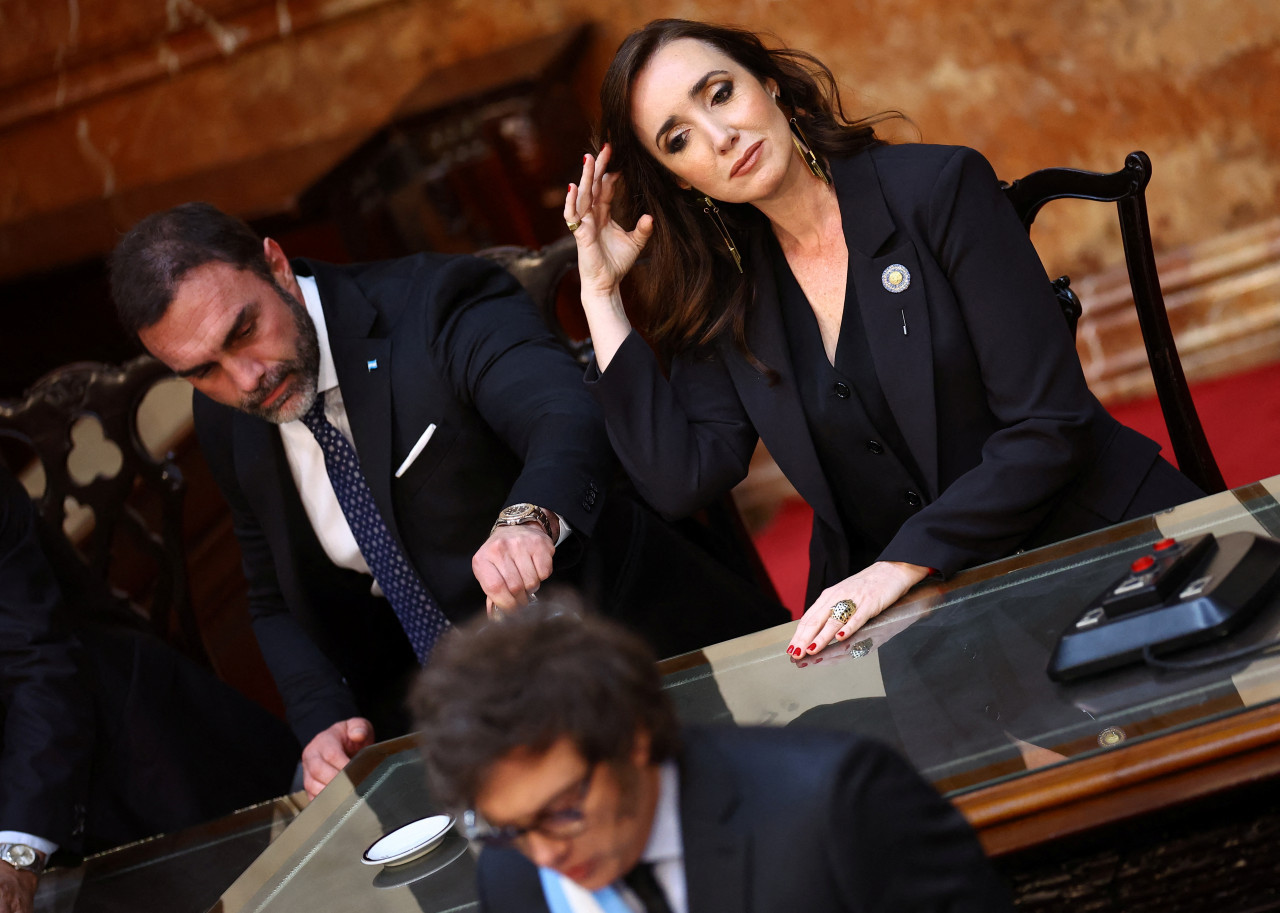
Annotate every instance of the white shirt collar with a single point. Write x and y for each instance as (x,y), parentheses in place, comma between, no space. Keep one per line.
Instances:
(665,842)
(328,377)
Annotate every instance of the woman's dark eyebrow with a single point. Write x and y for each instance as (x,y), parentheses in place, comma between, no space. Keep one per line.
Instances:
(693,93)
(702,83)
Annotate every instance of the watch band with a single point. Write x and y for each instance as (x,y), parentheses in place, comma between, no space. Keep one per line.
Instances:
(520,514)
(22,857)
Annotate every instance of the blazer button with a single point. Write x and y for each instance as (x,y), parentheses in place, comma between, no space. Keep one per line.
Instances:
(912,498)
(841,389)
(587,505)
(875,447)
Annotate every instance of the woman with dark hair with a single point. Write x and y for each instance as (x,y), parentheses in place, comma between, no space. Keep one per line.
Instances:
(874,313)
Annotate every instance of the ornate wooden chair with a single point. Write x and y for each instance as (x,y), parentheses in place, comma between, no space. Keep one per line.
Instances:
(1127,189)
(44,420)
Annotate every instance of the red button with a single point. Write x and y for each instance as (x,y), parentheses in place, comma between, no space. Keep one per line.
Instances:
(1142,564)
(1164,544)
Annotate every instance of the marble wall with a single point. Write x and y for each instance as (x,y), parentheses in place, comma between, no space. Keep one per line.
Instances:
(110,108)
(102,98)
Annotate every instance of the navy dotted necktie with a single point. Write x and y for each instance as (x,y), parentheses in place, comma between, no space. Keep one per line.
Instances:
(419,615)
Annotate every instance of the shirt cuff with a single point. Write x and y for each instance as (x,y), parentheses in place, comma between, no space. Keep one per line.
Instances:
(48,847)
(565,529)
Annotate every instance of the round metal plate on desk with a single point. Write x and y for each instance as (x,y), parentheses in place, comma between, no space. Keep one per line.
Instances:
(417,838)
(1112,735)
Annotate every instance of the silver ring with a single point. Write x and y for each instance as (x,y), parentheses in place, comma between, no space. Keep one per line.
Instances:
(843,610)
(861,648)
(573,226)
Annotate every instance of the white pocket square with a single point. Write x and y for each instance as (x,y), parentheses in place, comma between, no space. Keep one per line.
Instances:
(417,449)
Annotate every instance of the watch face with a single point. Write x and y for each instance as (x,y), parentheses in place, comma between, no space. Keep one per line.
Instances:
(516,510)
(20,855)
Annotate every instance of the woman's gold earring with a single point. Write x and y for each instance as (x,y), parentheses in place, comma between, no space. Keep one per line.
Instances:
(713,211)
(806,153)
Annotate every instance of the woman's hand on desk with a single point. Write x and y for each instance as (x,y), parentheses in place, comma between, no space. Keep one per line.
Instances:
(872,590)
(606,252)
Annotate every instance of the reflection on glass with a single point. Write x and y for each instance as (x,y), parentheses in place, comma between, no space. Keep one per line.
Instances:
(955,678)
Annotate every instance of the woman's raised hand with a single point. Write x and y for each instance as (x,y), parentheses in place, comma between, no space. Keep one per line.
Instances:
(606,252)
(870,592)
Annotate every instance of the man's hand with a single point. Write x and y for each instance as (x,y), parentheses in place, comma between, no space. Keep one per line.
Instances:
(512,564)
(330,751)
(17,889)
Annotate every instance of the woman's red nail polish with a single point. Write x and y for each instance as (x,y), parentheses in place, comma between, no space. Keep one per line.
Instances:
(839,633)
(813,646)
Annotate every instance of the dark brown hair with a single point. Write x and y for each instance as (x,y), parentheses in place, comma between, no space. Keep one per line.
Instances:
(153,256)
(528,681)
(695,291)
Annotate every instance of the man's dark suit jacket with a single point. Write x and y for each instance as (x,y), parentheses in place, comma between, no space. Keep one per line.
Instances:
(457,343)
(986,386)
(48,727)
(775,821)
(107,735)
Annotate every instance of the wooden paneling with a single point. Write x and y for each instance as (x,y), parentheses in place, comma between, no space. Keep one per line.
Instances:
(102,100)
(1125,782)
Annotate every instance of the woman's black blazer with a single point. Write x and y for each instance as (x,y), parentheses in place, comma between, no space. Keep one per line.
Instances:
(986,382)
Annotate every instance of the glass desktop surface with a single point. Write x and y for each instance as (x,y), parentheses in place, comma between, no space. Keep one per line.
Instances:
(954,674)
(315,865)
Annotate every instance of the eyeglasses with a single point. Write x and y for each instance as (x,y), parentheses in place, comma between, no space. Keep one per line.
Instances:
(562,818)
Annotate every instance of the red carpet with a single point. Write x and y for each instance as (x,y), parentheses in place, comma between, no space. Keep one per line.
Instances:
(1241,418)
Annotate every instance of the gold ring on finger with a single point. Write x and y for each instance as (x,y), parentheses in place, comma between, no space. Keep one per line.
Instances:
(574,225)
(843,610)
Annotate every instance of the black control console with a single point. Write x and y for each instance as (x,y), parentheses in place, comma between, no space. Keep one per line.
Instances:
(1177,595)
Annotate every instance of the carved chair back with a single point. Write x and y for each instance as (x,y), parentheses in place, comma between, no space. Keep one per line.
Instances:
(1127,189)
(45,420)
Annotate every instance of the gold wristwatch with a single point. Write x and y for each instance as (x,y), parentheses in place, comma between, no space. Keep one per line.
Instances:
(520,514)
(22,857)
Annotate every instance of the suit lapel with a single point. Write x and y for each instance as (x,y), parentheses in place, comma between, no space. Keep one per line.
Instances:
(715,854)
(363,365)
(903,361)
(776,411)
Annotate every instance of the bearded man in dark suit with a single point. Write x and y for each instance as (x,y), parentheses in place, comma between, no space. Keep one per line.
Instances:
(551,736)
(412,421)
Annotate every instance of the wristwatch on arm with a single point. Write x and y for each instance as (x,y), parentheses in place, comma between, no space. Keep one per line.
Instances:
(22,857)
(520,514)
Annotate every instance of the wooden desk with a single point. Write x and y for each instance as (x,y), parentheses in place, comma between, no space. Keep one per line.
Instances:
(954,674)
